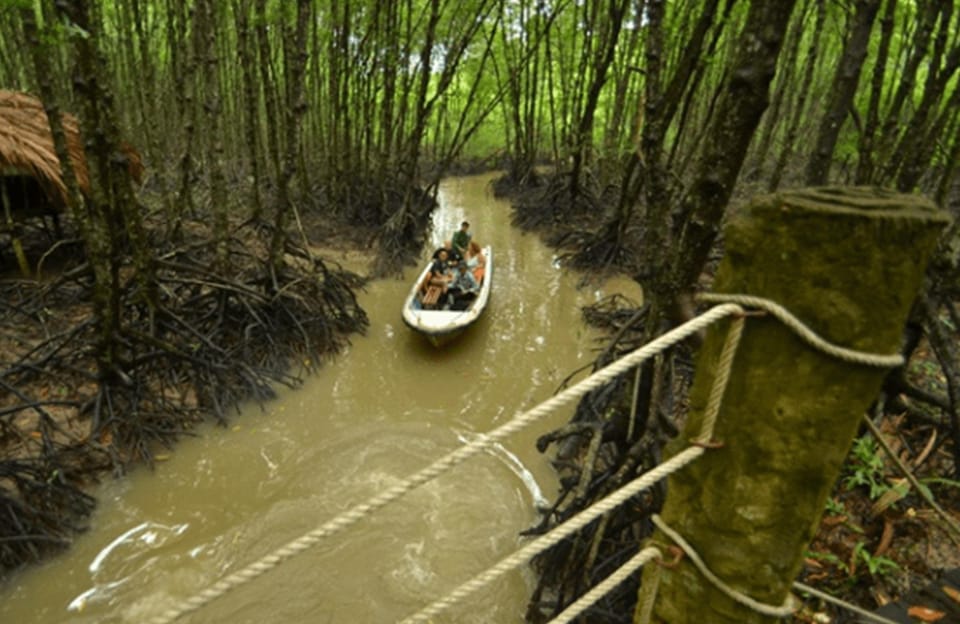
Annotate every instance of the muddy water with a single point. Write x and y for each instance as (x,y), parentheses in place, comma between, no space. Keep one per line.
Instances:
(379,412)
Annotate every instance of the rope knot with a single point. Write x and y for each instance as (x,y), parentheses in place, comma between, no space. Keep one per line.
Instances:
(801,330)
(708,444)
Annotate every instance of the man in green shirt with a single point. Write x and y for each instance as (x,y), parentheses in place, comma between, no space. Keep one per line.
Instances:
(461,239)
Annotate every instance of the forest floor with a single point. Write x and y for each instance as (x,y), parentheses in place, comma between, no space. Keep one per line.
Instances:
(879,541)
(218,334)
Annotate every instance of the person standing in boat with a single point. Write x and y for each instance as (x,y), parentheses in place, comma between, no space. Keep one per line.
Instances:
(461,239)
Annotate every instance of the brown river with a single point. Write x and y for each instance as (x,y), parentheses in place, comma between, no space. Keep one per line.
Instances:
(388,406)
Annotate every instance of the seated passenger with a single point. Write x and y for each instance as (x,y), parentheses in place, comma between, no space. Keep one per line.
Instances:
(476,261)
(436,281)
(463,289)
(453,256)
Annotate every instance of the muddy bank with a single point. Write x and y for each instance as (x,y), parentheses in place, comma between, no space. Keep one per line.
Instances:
(209,335)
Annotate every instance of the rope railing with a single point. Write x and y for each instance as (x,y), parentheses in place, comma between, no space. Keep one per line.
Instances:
(608,503)
(557,534)
(444,464)
(729,306)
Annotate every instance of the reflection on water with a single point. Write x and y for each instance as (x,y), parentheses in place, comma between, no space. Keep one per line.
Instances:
(123,558)
(389,406)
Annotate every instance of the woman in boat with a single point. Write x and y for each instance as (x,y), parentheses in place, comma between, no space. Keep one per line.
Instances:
(437,280)
(476,261)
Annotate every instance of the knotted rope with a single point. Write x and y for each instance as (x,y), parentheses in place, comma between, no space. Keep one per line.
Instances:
(805,333)
(788,607)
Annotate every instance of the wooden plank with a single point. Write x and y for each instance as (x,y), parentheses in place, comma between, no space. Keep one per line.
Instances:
(432,296)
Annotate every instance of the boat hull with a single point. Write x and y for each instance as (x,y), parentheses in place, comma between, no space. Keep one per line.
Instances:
(440,327)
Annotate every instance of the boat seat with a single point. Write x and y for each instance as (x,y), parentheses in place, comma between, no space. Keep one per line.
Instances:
(432,296)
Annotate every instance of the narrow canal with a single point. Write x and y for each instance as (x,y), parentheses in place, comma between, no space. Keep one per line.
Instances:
(388,406)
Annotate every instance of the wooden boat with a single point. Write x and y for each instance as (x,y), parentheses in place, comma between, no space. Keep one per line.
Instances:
(440,325)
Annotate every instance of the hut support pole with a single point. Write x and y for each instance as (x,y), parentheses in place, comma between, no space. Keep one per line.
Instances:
(848,263)
(13,228)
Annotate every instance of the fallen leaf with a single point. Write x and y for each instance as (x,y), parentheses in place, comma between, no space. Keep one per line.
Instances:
(881,597)
(926,614)
(830,521)
(885,539)
(954,594)
(901,487)
(926,449)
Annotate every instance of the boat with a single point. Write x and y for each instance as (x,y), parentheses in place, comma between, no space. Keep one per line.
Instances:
(438,325)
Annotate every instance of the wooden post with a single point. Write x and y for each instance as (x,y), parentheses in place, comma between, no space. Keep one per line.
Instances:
(848,262)
(14,229)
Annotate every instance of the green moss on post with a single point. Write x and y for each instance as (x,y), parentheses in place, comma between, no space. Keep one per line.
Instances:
(849,263)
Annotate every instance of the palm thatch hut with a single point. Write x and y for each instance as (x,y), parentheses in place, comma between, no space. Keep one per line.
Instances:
(31,180)
(26,147)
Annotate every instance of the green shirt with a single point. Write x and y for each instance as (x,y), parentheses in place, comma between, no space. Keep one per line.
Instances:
(461,240)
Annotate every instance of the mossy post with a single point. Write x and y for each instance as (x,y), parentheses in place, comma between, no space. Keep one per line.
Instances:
(848,262)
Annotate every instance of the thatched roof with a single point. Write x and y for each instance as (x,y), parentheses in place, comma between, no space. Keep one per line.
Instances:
(26,146)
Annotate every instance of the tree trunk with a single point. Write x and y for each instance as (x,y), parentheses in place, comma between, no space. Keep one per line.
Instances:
(841,93)
(865,147)
(206,26)
(616,11)
(742,104)
(247,55)
(800,103)
(295,52)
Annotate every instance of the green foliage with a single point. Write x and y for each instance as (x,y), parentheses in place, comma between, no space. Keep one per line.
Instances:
(941,481)
(877,565)
(836,507)
(828,558)
(866,468)
(15,5)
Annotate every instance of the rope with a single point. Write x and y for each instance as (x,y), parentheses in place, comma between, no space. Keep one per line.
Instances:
(873,617)
(620,575)
(724,365)
(730,305)
(783,610)
(442,465)
(558,534)
(804,332)
(608,503)
(648,593)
